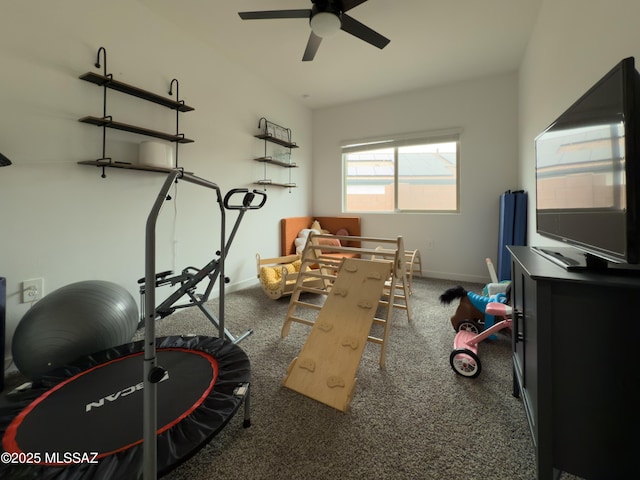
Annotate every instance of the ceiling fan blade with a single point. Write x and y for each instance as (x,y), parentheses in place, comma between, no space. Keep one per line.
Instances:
(357,29)
(312,47)
(349,4)
(267,14)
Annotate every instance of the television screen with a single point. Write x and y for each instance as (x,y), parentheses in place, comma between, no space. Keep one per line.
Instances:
(586,173)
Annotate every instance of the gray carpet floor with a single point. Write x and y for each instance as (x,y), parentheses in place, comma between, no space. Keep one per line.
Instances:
(415,419)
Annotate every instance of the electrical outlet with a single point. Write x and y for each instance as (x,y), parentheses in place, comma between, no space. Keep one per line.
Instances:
(32,290)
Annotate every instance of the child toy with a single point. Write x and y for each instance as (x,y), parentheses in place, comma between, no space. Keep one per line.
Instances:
(472,307)
(464,358)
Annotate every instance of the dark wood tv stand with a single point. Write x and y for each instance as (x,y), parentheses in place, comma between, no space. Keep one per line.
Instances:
(576,364)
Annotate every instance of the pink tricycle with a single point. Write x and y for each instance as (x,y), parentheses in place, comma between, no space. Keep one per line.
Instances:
(464,358)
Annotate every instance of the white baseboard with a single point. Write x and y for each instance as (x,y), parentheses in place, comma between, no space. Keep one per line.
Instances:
(234,287)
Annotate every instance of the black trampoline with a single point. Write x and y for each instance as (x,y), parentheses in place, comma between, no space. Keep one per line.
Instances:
(84,421)
(140,409)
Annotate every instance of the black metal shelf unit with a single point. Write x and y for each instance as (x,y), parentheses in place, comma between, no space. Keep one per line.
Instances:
(274,133)
(106,121)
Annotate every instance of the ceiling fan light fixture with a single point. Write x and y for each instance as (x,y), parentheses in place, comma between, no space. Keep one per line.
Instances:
(325,24)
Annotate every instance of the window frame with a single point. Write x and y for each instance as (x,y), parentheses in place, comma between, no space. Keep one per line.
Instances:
(452,135)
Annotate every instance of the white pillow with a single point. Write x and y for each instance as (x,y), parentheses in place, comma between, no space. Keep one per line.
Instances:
(301,241)
(304,233)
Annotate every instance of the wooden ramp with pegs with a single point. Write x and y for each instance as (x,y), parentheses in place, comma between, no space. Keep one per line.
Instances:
(322,261)
(326,367)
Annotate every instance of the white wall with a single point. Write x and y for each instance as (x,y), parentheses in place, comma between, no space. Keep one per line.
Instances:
(453,246)
(61,221)
(573,45)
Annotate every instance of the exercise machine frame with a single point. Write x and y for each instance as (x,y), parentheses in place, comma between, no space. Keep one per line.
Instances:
(191,277)
(215,269)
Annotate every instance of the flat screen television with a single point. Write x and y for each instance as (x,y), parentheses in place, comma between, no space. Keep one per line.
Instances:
(588,176)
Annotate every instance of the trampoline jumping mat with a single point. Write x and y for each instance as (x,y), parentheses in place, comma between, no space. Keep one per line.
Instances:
(84,421)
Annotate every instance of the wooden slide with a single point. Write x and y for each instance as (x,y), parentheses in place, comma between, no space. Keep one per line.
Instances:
(326,367)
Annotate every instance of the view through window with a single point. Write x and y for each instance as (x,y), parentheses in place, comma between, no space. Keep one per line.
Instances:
(408,176)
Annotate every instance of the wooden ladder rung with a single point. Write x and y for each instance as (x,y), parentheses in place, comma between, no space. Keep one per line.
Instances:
(395,297)
(395,305)
(322,276)
(319,291)
(326,262)
(301,320)
(308,305)
(358,250)
(399,286)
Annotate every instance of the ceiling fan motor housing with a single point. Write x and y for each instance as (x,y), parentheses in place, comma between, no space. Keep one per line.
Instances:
(329,6)
(325,18)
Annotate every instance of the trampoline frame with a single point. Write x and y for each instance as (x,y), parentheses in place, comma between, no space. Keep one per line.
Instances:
(178,441)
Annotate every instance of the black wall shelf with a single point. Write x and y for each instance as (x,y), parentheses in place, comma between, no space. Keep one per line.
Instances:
(274,133)
(279,141)
(106,121)
(109,82)
(125,166)
(276,162)
(277,184)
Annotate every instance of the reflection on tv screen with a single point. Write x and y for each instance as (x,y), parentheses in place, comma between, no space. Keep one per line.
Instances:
(581,168)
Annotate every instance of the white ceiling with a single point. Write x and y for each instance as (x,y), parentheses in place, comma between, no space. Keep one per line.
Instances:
(433,42)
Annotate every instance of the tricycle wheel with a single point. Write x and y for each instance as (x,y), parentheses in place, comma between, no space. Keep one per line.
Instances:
(464,362)
(469,325)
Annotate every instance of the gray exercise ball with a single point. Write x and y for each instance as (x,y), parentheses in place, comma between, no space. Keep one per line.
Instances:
(73,321)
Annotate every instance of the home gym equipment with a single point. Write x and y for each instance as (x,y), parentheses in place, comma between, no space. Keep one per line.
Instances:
(154,373)
(464,358)
(84,420)
(72,321)
(119,407)
(326,367)
(191,277)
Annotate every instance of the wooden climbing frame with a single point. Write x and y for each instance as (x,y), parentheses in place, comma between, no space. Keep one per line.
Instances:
(322,261)
(326,367)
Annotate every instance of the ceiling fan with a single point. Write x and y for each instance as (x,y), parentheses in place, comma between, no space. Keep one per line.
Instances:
(326,17)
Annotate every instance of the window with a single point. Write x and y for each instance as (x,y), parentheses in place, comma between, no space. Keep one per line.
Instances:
(402,174)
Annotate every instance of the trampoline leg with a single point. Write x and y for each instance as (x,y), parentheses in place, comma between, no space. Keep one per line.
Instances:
(244,390)
(247,410)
